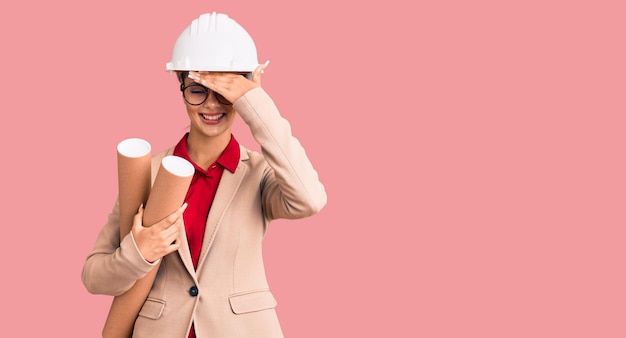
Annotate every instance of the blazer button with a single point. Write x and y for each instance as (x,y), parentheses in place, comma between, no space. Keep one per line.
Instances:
(193,291)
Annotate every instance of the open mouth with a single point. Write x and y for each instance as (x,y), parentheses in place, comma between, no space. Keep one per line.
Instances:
(212,117)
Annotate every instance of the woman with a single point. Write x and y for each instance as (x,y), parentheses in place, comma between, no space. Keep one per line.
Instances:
(211,280)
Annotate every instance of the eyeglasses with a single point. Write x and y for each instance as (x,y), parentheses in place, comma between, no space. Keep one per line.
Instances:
(196,94)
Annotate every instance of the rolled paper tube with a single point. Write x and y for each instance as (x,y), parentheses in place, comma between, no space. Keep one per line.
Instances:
(169,189)
(133,175)
(168,194)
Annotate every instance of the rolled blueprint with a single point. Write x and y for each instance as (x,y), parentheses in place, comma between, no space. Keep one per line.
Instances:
(168,194)
(169,189)
(133,176)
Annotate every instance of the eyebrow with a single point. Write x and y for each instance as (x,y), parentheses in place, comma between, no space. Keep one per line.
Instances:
(196,84)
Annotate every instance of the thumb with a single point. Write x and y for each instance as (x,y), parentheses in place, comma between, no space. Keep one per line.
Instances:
(256,75)
(138,218)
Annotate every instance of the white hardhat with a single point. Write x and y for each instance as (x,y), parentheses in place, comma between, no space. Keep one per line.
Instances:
(214,42)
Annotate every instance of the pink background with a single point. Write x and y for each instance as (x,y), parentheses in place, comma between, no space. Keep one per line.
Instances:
(472,151)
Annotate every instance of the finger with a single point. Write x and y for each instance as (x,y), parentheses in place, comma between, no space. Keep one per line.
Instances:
(216,81)
(138,218)
(174,241)
(173,231)
(173,247)
(201,78)
(177,216)
(256,75)
(171,219)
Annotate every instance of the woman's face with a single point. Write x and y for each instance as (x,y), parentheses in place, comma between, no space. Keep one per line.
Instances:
(211,118)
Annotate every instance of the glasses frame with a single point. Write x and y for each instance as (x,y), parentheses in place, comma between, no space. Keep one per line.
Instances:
(218,96)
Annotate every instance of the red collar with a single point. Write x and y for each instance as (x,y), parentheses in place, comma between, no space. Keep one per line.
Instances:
(228,159)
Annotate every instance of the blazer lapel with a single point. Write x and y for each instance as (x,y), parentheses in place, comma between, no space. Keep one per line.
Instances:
(185,253)
(226,191)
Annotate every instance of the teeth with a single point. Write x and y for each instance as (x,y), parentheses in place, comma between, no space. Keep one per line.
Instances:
(212,117)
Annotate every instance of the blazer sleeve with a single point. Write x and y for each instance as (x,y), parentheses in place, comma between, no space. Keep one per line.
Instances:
(113,267)
(291,187)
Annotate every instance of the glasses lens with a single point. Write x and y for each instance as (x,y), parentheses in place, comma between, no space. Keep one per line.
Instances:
(221,99)
(195,94)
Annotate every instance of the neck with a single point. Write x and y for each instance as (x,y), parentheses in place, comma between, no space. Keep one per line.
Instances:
(203,150)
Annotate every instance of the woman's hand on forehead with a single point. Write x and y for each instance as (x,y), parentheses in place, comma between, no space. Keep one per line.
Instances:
(230,85)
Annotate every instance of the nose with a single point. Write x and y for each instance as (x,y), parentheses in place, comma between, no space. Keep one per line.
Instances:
(211,100)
